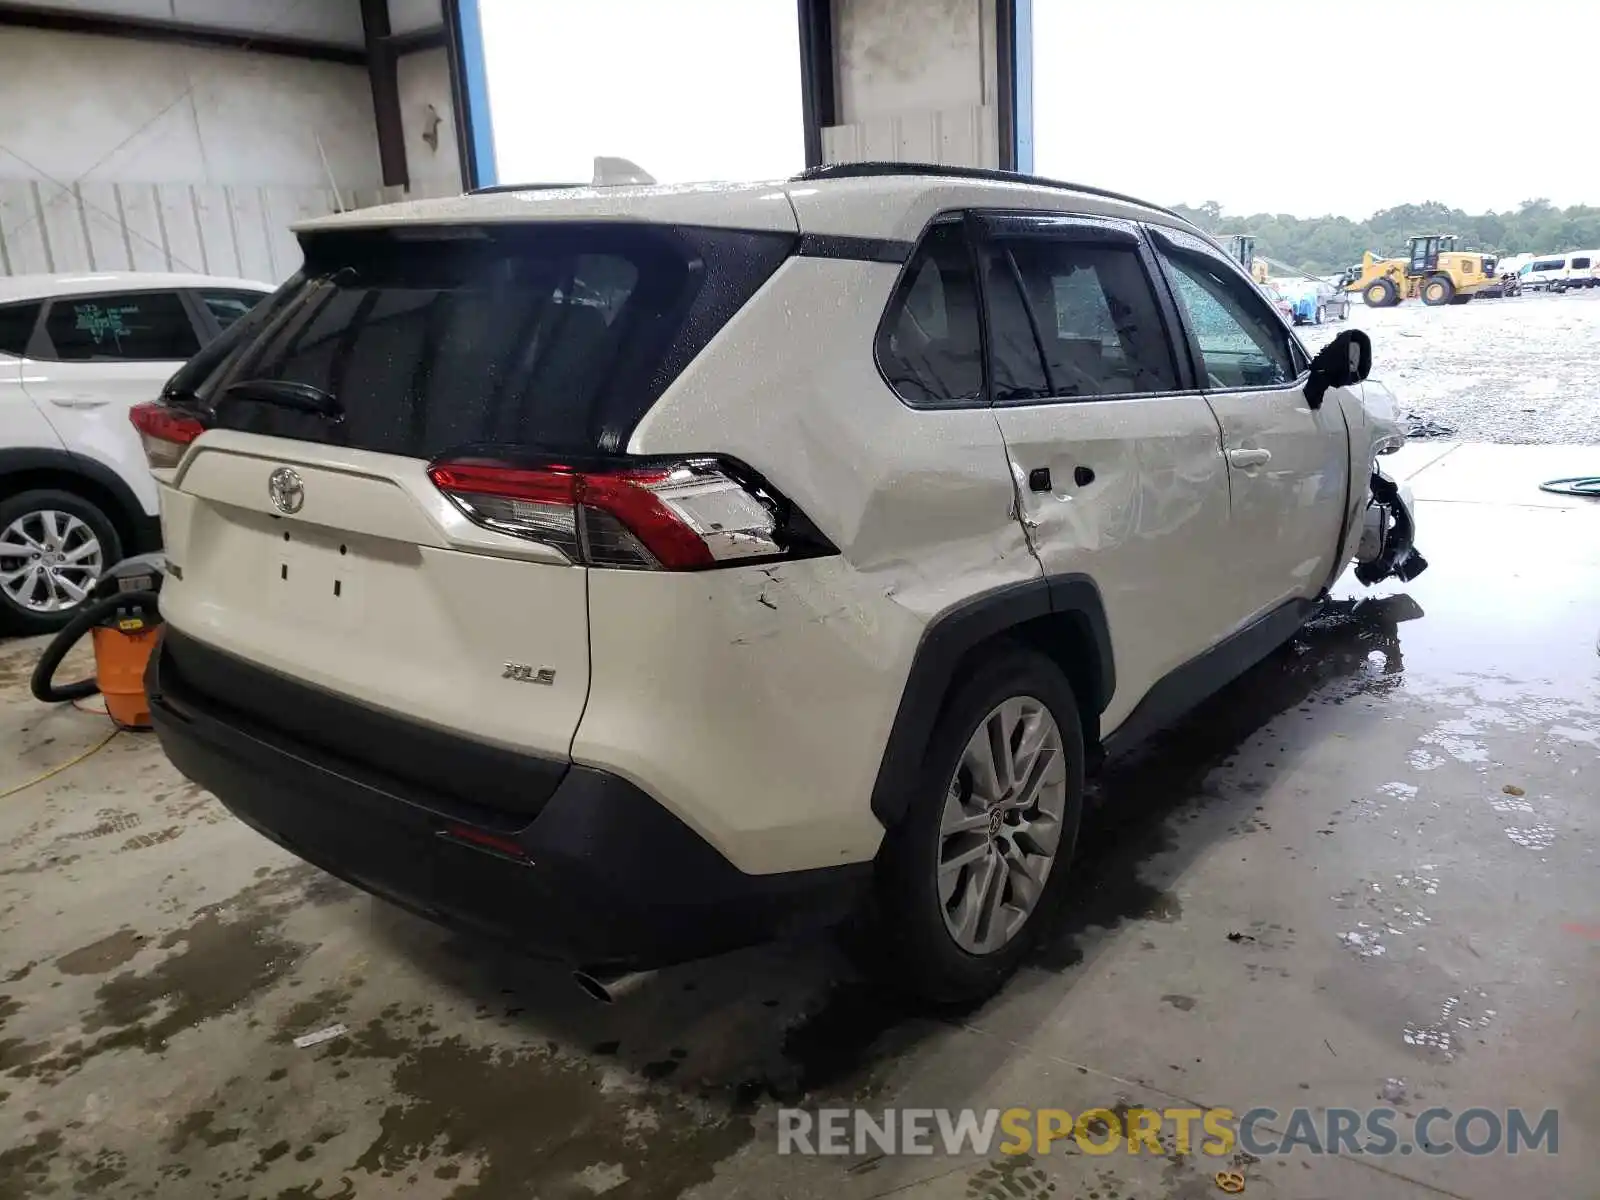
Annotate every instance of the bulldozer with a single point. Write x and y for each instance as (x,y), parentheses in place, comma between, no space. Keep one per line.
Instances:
(1242,249)
(1434,271)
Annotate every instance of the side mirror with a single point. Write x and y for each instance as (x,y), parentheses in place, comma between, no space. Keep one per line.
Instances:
(1344,361)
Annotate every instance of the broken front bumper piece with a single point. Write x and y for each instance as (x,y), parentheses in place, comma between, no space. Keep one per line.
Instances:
(1386,540)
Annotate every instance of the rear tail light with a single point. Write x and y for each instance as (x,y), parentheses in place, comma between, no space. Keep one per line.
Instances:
(165,431)
(680,516)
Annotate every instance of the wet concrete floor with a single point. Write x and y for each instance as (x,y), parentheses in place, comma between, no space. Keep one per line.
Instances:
(1363,875)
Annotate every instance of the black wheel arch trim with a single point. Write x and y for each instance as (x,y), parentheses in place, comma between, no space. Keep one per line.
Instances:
(947,640)
(142,530)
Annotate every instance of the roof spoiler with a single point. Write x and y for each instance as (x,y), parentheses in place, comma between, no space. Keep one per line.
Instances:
(612,172)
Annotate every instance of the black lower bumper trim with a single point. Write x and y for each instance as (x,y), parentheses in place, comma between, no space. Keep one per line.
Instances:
(607,877)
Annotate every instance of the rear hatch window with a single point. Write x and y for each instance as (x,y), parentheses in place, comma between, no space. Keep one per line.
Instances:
(432,339)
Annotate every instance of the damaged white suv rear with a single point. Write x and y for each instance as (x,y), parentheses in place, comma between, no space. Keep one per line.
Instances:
(637,573)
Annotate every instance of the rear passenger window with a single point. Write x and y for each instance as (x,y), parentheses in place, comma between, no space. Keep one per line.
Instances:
(928,345)
(1095,315)
(1580,264)
(126,327)
(16,327)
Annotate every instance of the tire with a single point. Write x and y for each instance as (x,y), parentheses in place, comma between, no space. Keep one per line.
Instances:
(915,945)
(1380,293)
(26,519)
(1437,290)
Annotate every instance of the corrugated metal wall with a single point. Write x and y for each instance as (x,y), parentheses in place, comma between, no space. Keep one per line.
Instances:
(963,137)
(202,228)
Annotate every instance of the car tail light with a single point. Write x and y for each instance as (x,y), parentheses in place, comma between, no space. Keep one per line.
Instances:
(680,516)
(165,431)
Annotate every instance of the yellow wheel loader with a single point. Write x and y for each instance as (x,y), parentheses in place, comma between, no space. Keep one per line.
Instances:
(1434,272)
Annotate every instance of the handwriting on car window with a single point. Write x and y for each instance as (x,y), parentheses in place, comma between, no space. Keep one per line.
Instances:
(101,322)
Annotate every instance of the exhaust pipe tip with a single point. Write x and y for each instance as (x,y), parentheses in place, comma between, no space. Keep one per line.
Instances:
(608,988)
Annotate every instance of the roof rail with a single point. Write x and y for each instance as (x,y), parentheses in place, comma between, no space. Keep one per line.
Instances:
(870,170)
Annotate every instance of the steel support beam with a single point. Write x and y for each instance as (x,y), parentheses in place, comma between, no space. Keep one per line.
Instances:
(818,92)
(159,30)
(385,83)
(1005,49)
(402,44)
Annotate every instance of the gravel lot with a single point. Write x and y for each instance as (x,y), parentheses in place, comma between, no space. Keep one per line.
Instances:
(1519,370)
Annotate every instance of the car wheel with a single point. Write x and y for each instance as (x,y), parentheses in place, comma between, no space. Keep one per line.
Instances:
(969,877)
(53,546)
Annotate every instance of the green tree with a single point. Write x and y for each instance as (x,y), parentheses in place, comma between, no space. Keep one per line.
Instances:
(1324,245)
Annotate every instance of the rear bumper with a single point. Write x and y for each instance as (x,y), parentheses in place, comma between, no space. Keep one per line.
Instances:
(601,877)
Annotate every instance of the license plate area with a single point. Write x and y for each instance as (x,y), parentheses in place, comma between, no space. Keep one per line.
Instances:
(317,577)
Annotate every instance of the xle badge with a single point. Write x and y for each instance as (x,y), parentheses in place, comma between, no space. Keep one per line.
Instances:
(524,673)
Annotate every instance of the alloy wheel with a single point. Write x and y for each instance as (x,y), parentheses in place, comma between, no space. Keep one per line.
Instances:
(49,560)
(1001,825)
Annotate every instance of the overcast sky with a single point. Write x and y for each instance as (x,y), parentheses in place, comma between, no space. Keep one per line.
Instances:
(1309,108)
(1262,105)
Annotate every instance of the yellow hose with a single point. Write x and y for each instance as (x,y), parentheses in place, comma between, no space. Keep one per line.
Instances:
(54,771)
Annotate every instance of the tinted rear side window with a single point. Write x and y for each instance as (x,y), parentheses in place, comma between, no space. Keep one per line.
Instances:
(16,327)
(929,347)
(126,327)
(555,337)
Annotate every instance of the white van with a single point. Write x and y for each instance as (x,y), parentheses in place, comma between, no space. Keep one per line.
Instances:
(1558,272)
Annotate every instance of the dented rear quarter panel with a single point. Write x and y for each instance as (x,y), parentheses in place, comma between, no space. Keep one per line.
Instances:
(797,670)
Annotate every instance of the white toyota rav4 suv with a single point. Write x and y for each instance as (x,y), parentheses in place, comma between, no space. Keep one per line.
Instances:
(637,573)
(76,353)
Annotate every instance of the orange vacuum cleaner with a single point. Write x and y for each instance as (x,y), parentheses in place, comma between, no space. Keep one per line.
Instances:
(121,616)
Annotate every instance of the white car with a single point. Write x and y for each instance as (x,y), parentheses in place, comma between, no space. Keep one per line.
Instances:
(641,572)
(76,353)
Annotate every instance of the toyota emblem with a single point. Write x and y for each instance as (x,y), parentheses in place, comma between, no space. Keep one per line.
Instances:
(286,489)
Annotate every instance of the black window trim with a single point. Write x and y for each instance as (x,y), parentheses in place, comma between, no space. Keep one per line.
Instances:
(1087,227)
(40,305)
(42,349)
(1165,246)
(984,399)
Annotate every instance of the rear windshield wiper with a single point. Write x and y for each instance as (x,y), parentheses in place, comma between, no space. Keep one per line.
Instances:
(301,397)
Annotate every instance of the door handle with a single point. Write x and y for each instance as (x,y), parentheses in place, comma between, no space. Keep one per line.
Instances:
(81,401)
(1249,458)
